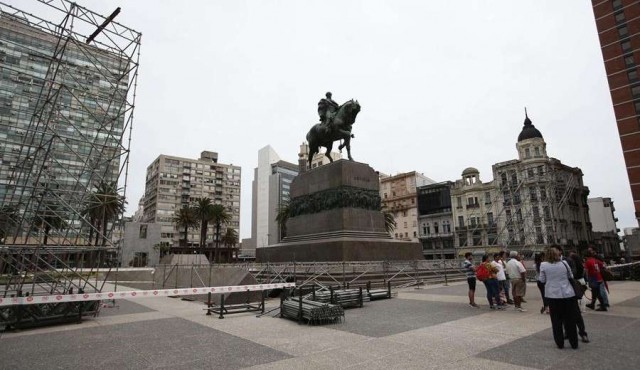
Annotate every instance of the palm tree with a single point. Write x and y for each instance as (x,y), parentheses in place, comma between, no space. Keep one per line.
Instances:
(219,216)
(48,218)
(281,218)
(105,205)
(389,220)
(204,212)
(230,238)
(185,217)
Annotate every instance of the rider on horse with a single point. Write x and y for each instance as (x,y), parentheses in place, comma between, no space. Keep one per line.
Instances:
(327,109)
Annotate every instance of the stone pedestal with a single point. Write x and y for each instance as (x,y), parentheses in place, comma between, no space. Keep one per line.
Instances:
(351,231)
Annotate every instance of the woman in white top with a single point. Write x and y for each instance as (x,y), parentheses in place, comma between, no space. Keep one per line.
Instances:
(554,274)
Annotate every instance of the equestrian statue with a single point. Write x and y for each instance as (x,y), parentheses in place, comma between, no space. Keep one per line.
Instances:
(335,124)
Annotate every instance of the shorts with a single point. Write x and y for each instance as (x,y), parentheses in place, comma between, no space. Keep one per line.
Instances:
(472,283)
(518,288)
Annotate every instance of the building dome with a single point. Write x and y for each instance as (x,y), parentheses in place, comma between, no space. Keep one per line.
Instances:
(529,131)
(470,171)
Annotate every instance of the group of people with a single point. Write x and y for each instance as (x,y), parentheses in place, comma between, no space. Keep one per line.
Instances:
(559,280)
(500,278)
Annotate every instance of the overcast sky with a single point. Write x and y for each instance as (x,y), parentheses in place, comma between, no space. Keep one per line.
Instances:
(442,84)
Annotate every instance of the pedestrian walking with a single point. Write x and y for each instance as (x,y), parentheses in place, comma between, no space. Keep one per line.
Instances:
(563,305)
(545,304)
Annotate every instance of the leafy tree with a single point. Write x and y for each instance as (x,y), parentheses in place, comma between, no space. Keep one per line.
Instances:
(185,218)
(203,210)
(163,248)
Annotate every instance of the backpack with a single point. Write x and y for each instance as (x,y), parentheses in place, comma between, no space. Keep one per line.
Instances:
(482,273)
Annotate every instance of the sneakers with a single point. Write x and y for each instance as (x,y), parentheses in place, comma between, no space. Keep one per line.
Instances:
(492,307)
(590,306)
(520,309)
(585,338)
(474,305)
(502,307)
(601,309)
(510,301)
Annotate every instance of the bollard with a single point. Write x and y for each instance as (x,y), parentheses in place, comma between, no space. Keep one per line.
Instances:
(368,286)
(313,291)
(299,309)
(446,282)
(331,296)
(389,289)
(208,304)
(262,294)
(360,298)
(221,306)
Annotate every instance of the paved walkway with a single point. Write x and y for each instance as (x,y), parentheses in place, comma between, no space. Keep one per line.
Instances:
(432,327)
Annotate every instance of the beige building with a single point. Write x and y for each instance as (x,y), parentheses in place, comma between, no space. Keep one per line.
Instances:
(173,182)
(473,214)
(399,196)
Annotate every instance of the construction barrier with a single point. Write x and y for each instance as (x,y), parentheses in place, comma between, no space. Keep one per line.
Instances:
(130,294)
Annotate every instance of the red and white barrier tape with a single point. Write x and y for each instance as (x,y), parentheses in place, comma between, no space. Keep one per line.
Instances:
(129,294)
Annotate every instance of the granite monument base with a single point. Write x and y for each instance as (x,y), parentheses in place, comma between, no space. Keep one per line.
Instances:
(341,249)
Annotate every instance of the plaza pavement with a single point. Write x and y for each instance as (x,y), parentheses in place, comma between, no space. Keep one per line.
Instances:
(428,328)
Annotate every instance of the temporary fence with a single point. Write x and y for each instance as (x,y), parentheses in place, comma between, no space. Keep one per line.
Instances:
(132,294)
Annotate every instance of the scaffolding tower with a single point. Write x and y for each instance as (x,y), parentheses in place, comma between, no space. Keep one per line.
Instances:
(67,95)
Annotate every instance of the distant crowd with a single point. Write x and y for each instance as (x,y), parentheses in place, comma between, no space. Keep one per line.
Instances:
(562,282)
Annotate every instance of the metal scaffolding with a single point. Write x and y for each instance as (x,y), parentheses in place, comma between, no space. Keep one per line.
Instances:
(526,221)
(67,96)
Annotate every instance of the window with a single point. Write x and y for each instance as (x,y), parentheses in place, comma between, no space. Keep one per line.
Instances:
(143,232)
(620,17)
(425,229)
(633,75)
(626,46)
(405,224)
(459,200)
(629,61)
(527,153)
(537,151)
(623,31)
(635,91)
(385,195)
(490,218)
(487,197)
(530,173)
(617,4)
(414,234)
(461,221)
(435,228)
(637,106)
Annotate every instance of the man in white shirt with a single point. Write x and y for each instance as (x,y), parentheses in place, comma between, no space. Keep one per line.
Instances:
(518,275)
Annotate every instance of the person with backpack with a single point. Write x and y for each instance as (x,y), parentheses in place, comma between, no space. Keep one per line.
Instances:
(471,277)
(487,273)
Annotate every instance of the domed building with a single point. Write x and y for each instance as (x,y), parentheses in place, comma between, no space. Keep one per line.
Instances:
(532,202)
(539,200)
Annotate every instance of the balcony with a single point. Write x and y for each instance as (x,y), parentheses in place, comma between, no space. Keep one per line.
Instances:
(473,205)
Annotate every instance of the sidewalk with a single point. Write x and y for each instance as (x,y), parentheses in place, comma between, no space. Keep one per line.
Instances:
(432,327)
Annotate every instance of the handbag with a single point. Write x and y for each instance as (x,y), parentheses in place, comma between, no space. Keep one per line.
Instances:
(577,288)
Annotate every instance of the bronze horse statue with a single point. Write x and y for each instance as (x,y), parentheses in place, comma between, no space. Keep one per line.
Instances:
(339,128)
